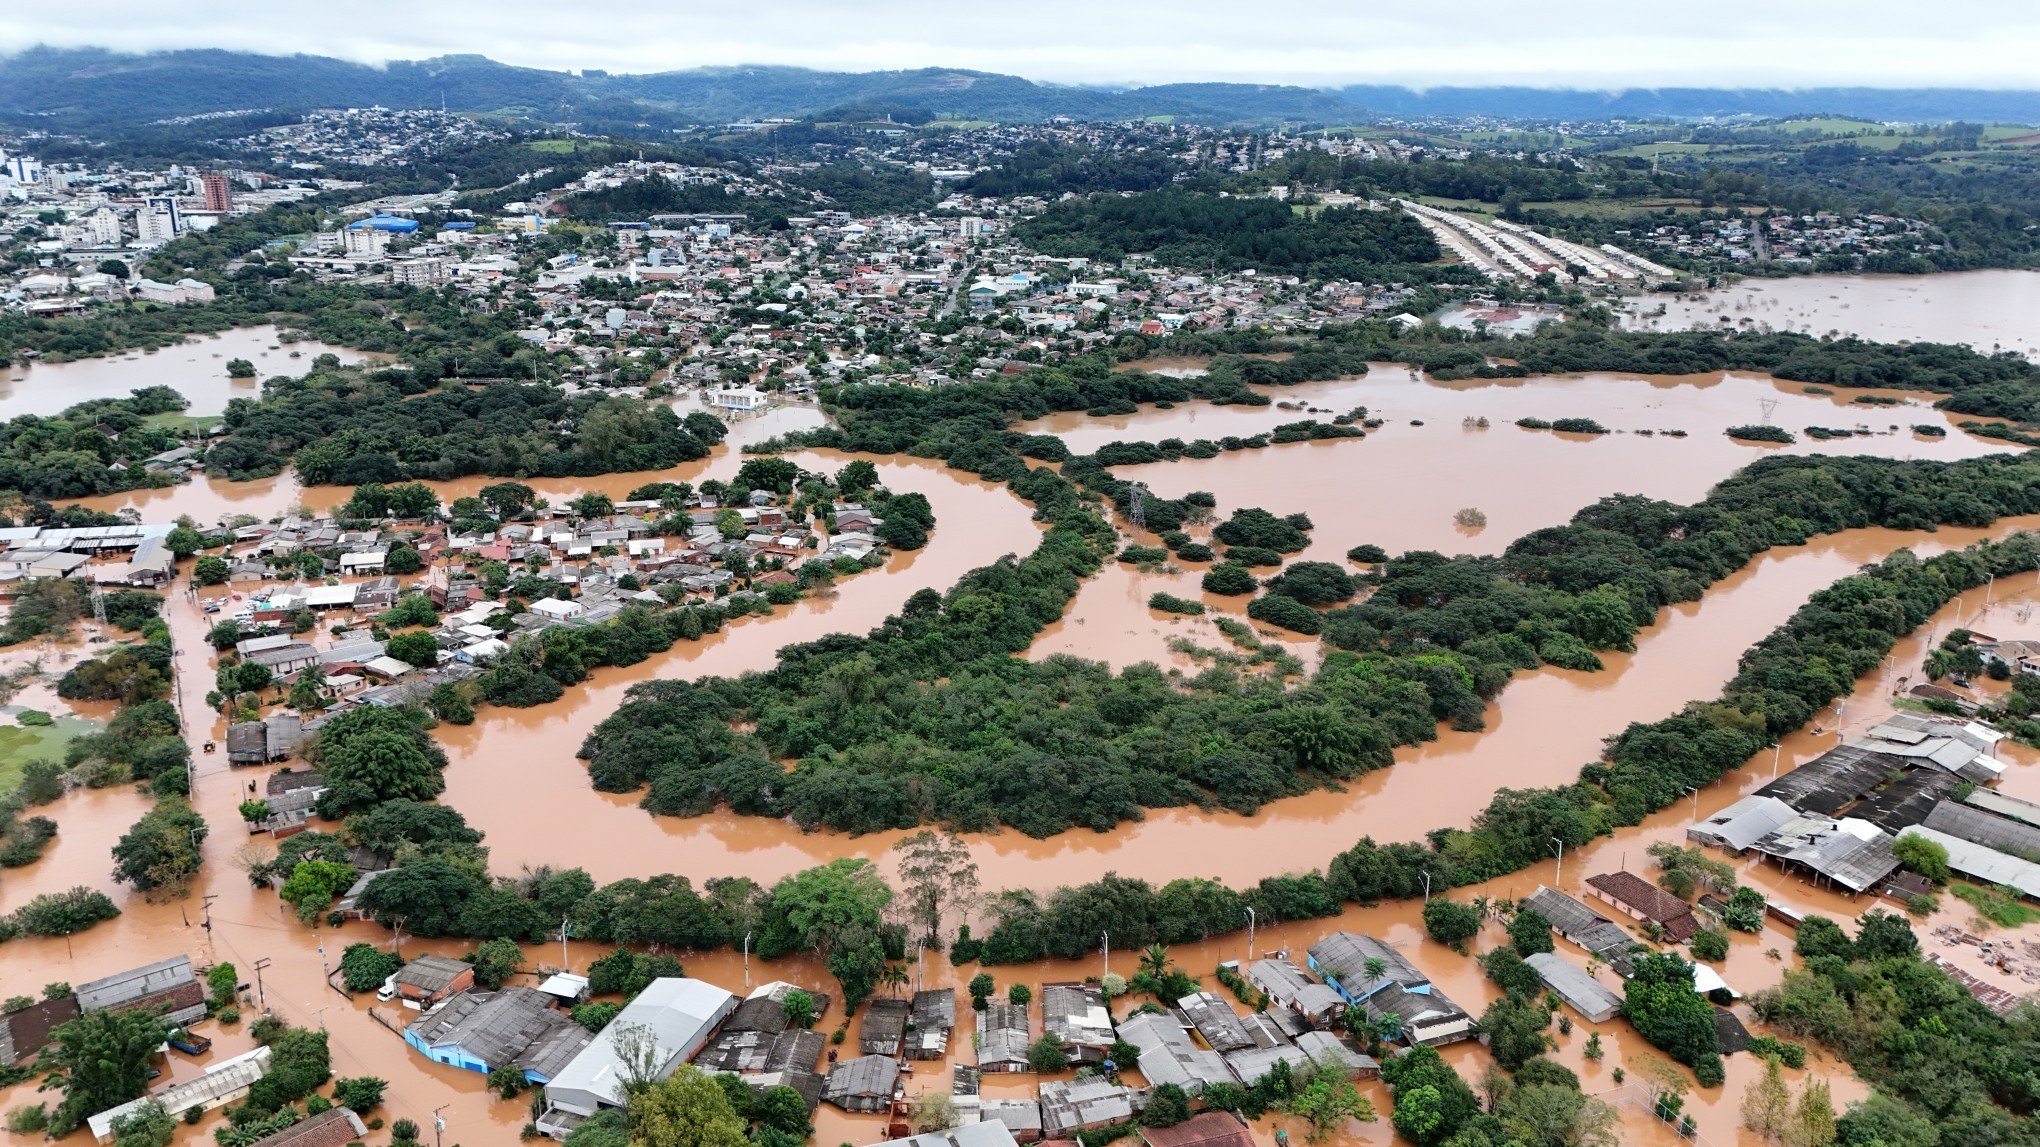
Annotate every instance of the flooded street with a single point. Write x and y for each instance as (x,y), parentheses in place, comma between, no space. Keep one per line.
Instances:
(1989,310)
(196,368)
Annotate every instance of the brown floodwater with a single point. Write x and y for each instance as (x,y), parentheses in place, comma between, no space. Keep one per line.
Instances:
(536,744)
(1989,310)
(514,775)
(195,368)
(1400,487)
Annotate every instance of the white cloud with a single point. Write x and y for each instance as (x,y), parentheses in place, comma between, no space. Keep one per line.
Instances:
(1561,43)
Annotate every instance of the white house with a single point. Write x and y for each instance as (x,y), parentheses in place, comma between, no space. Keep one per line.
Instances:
(556,609)
(740,399)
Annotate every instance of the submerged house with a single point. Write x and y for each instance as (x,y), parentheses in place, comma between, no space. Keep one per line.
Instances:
(1583,993)
(1423,1012)
(223,1083)
(884,1027)
(867,1083)
(512,1027)
(1077,1014)
(1169,1055)
(1640,900)
(934,1014)
(1070,1107)
(1289,988)
(166,986)
(1003,1038)
(1601,937)
(680,1015)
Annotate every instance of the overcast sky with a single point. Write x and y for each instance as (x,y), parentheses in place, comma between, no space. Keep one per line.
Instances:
(1555,43)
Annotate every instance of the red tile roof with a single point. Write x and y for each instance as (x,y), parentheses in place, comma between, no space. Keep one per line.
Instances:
(1211,1129)
(1662,908)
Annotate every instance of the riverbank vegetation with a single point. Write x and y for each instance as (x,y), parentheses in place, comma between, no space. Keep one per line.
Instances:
(1945,1068)
(73,455)
(1437,639)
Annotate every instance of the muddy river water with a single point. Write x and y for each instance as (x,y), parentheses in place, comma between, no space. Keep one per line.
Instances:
(513,773)
(1989,310)
(196,368)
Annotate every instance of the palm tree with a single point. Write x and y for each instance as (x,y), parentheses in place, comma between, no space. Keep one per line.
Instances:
(1376,968)
(894,977)
(1389,1027)
(1155,962)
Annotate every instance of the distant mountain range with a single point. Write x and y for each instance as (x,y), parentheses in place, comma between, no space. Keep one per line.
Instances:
(95,88)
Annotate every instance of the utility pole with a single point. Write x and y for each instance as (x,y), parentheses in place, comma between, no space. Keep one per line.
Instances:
(747,959)
(261,998)
(565,964)
(439,1125)
(1427,886)
(1106,938)
(1250,932)
(205,904)
(1558,874)
(1777,747)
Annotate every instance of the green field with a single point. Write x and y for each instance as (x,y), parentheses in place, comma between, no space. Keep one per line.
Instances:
(553,146)
(175,420)
(1825,125)
(20,744)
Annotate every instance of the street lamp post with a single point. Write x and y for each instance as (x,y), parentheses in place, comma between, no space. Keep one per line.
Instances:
(1250,933)
(1427,886)
(1106,939)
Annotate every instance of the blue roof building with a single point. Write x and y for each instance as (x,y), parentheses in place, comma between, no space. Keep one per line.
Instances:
(392,223)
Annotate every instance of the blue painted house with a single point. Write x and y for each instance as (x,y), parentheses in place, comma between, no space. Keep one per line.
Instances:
(513,1027)
(1423,1014)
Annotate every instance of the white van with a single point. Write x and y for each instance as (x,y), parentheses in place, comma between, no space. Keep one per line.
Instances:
(388,991)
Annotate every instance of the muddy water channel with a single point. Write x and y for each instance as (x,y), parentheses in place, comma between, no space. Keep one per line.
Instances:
(1986,309)
(513,773)
(195,368)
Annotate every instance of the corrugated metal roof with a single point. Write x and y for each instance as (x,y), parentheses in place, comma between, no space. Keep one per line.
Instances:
(1743,823)
(1984,828)
(1169,1055)
(1588,996)
(1003,1034)
(1853,853)
(1985,864)
(867,1075)
(2023,811)
(1216,1021)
